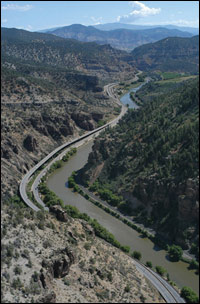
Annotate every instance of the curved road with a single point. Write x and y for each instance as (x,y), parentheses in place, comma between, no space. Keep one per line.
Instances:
(26,178)
(166,290)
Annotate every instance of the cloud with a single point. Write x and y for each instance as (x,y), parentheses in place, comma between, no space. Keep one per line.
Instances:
(96,20)
(16,7)
(4,20)
(140,11)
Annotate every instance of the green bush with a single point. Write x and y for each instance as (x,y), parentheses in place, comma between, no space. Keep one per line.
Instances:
(175,253)
(193,264)
(17,270)
(149,264)
(136,255)
(160,270)
(72,211)
(189,295)
(16,283)
(125,248)
(87,246)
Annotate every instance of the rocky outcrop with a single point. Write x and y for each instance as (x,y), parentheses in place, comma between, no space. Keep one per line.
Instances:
(56,266)
(88,228)
(30,143)
(60,214)
(49,297)
(188,201)
(97,116)
(83,120)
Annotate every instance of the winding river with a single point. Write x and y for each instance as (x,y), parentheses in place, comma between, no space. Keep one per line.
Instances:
(57,182)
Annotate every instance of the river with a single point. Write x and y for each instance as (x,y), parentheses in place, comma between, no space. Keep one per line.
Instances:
(57,182)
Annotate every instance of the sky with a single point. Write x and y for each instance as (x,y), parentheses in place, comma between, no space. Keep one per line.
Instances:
(38,15)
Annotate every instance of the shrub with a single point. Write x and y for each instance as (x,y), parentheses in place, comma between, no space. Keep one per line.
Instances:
(189,295)
(17,270)
(72,211)
(125,248)
(136,255)
(160,270)
(149,264)
(87,246)
(16,283)
(25,254)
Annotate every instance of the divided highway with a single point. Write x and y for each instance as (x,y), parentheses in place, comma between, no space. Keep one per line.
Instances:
(166,290)
(88,135)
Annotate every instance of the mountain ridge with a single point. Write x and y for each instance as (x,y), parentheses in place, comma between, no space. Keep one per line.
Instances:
(125,39)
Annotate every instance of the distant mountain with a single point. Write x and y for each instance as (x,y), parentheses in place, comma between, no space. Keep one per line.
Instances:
(169,54)
(117,25)
(124,39)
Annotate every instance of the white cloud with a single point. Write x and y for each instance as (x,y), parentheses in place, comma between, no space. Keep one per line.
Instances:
(96,20)
(141,11)
(16,7)
(4,20)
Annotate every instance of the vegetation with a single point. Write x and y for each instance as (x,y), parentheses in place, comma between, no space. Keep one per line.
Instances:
(50,199)
(175,253)
(137,255)
(184,59)
(189,295)
(154,151)
(160,270)
(149,264)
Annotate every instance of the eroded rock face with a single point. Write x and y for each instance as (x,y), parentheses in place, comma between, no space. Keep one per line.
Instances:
(30,143)
(57,266)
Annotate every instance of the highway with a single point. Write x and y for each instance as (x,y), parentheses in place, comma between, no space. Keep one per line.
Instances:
(88,135)
(166,290)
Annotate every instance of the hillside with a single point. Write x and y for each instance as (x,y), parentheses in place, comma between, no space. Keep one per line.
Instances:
(54,258)
(124,39)
(150,160)
(51,91)
(48,50)
(170,54)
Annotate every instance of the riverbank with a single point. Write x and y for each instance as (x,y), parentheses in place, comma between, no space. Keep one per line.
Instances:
(128,220)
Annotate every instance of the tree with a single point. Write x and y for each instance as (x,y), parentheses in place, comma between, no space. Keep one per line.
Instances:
(175,253)
(189,295)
